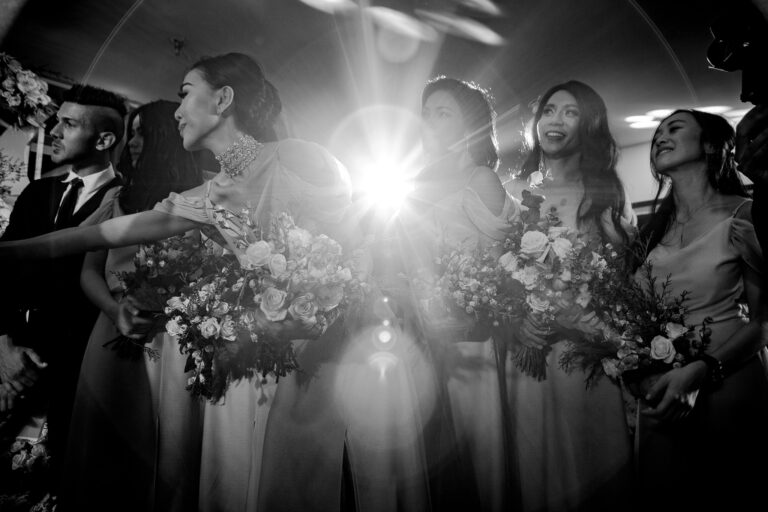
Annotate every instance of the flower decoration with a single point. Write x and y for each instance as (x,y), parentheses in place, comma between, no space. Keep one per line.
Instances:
(239,318)
(23,93)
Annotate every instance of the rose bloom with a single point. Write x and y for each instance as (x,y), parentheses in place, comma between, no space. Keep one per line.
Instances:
(329,296)
(173,328)
(273,304)
(304,309)
(277,265)
(562,247)
(344,274)
(662,349)
(537,304)
(258,254)
(299,241)
(27,81)
(209,327)
(178,304)
(610,368)
(228,328)
(220,308)
(508,261)
(528,276)
(674,330)
(533,244)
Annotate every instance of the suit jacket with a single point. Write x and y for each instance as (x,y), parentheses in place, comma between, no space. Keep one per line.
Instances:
(48,292)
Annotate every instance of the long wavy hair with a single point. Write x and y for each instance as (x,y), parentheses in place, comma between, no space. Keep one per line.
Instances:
(256,103)
(718,134)
(163,166)
(478,113)
(598,155)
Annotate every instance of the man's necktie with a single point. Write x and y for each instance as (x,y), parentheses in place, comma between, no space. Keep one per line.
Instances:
(67,208)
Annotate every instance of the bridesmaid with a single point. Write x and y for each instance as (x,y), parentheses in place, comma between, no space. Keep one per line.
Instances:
(573,443)
(113,444)
(229,108)
(459,200)
(701,435)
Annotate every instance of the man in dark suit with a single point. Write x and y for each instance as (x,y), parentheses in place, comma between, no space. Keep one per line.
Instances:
(45,318)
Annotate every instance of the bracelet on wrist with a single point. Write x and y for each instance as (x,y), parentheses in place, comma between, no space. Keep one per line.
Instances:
(715,372)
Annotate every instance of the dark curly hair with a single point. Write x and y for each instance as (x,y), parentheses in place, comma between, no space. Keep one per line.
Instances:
(722,175)
(478,113)
(256,103)
(598,150)
(163,166)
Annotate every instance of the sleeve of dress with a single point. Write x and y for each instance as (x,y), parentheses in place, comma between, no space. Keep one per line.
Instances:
(743,238)
(190,204)
(322,182)
(489,224)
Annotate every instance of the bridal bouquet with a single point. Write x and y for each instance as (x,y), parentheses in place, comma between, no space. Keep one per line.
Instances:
(161,270)
(23,93)
(541,272)
(642,333)
(238,319)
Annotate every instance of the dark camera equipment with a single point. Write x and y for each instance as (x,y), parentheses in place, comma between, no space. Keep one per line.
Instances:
(741,43)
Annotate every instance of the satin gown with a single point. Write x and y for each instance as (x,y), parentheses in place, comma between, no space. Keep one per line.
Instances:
(574,447)
(239,470)
(134,441)
(469,396)
(720,446)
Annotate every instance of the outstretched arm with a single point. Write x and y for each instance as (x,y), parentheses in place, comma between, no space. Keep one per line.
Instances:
(133,229)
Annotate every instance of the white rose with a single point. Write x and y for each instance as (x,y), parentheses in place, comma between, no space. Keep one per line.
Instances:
(537,304)
(257,254)
(209,327)
(178,304)
(228,329)
(299,241)
(304,309)
(662,349)
(508,261)
(528,276)
(273,304)
(533,244)
(562,247)
(173,328)
(277,265)
(674,330)
(611,368)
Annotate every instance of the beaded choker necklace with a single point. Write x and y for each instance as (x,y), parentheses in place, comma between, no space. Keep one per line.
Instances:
(236,158)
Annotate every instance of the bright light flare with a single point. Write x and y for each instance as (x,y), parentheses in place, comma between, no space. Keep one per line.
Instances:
(462,26)
(331,6)
(385,186)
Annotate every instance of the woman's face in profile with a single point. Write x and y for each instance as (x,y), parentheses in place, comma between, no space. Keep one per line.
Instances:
(442,124)
(677,141)
(197,115)
(558,127)
(136,142)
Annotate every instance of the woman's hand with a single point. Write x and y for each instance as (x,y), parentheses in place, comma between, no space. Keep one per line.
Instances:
(675,392)
(610,231)
(129,320)
(532,333)
(288,329)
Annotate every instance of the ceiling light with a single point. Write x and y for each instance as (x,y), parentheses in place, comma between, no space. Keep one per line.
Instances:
(644,124)
(737,113)
(638,119)
(716,109)
(659,112)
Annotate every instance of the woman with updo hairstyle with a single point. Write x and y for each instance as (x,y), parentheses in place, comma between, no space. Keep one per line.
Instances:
(572,441)
(228,108)
(702,425)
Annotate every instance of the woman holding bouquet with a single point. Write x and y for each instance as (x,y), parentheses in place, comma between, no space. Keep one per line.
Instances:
(459,203)
(229,108)
(704,424)
(115,432)
(573,442)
